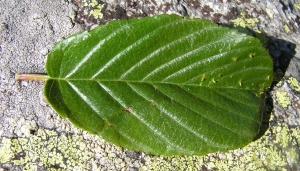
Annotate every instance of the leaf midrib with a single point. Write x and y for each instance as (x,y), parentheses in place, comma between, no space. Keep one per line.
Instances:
(152,83)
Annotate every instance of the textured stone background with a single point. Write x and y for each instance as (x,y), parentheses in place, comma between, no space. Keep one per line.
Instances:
(33,137)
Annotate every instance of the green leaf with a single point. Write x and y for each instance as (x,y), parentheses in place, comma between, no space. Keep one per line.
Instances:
(163,85)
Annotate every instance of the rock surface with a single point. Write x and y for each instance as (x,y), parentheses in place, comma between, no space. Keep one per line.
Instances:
(33,137)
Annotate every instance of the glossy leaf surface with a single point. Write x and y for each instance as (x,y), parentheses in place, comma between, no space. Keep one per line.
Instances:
(163,85)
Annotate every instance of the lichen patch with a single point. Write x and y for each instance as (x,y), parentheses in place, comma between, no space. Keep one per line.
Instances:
(244,22)
(294,84)
(278,149)
(283,99)
(52,150)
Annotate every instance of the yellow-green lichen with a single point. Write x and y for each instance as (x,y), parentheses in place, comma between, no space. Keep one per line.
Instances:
(6,154)
(286,28)
(244,22)
(297,5)
(48,149)
(278,149)
(94,7)
(294,84)
(283,99)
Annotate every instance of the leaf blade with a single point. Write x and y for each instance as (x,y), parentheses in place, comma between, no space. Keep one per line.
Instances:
(159,93)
